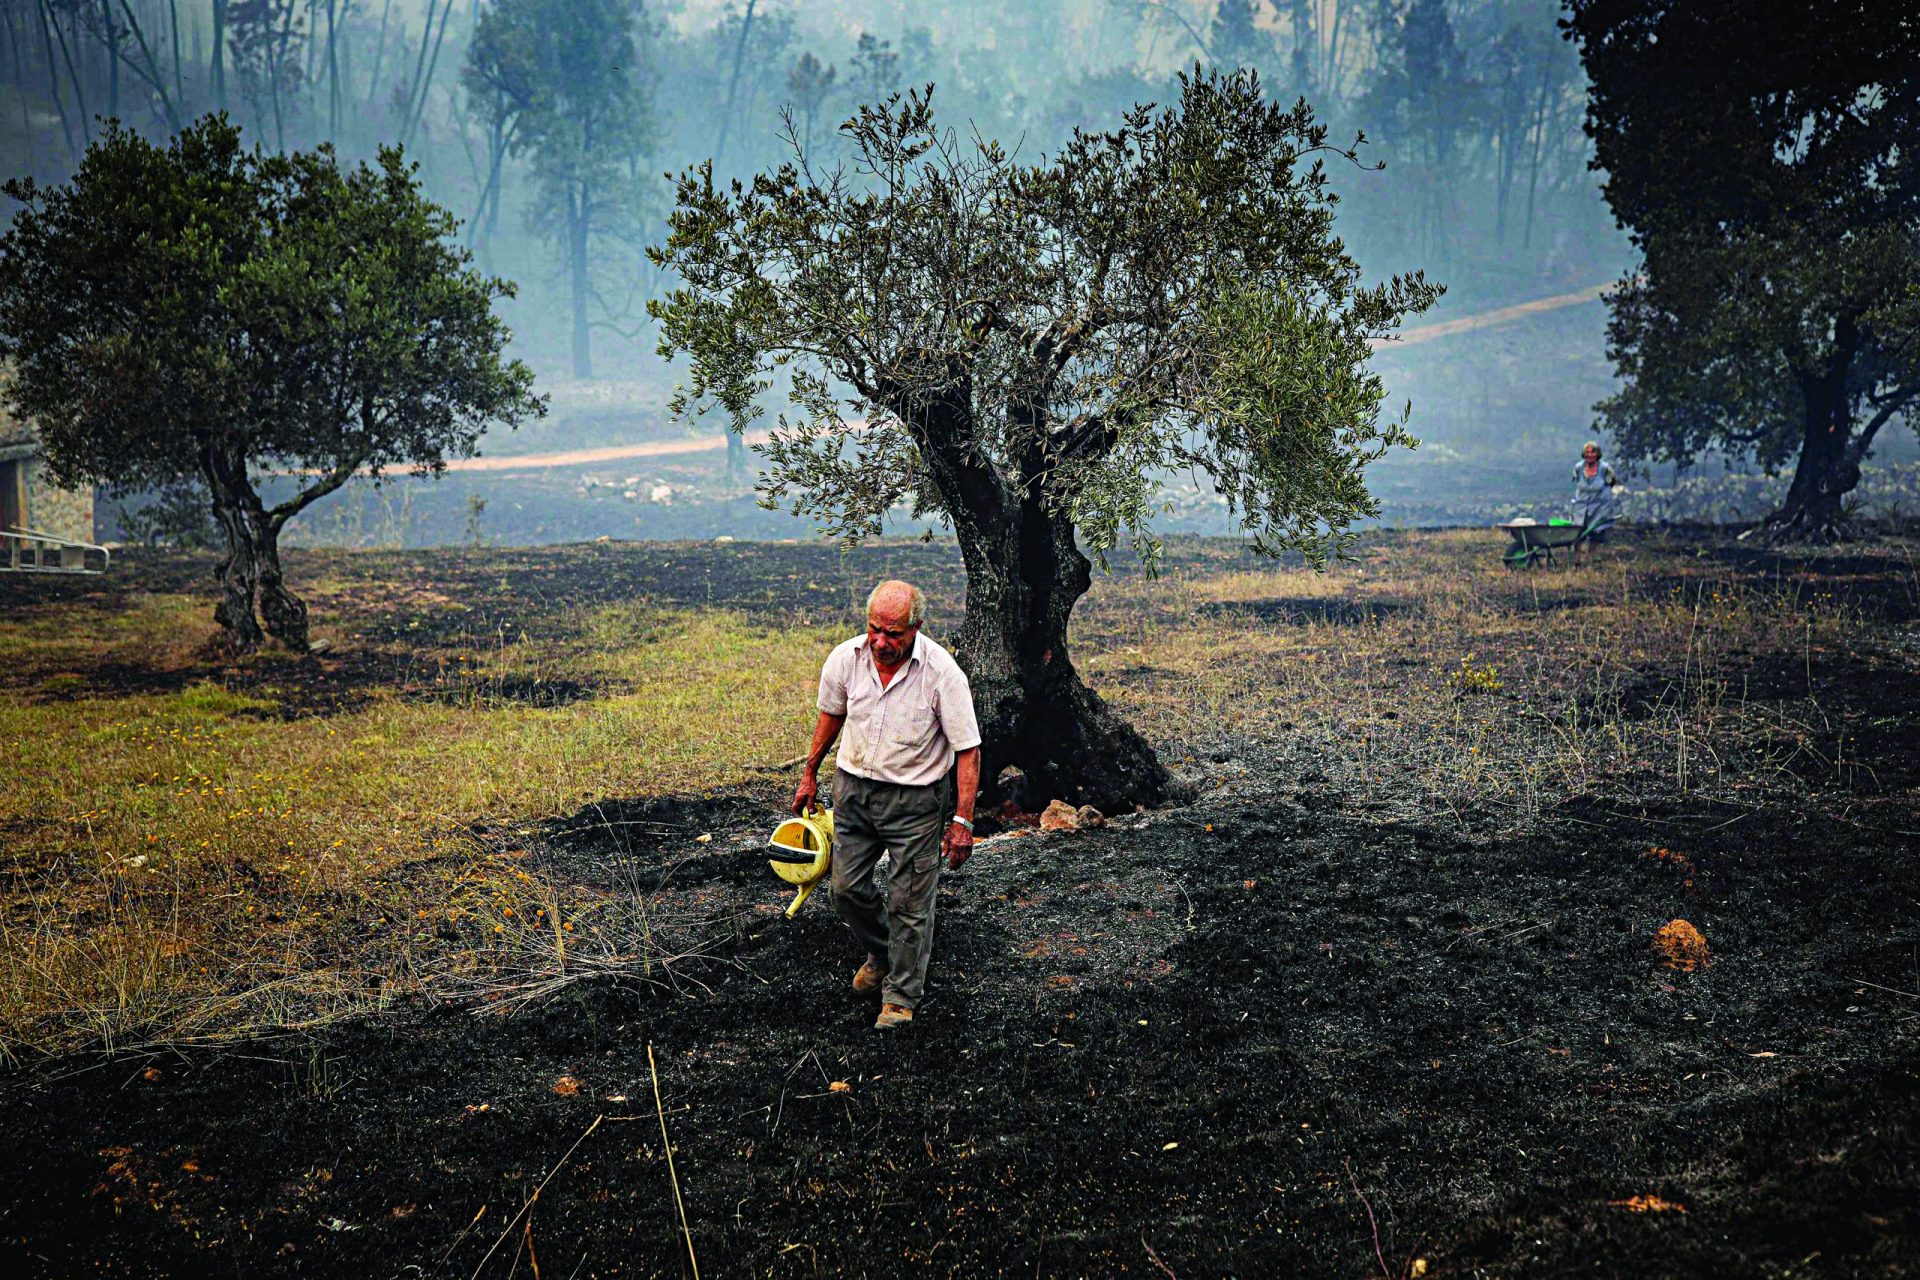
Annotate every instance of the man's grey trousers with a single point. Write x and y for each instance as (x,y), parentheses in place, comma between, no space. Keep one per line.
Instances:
(869,818)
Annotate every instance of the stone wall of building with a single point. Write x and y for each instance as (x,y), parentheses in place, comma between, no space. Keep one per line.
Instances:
(64,513)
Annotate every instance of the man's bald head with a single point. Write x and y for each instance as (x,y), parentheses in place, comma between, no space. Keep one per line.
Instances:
(898,601)
(894,613)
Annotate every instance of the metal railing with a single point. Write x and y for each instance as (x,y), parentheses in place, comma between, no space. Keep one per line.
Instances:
(27,551)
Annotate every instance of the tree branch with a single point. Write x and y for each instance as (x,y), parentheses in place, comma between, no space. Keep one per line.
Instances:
(1089,436)
(943,430)
(332,480)
(1192,32)
(631,335)
(1893,404)
(151,74)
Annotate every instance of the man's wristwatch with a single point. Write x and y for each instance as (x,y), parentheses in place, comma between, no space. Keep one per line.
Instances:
(963,822)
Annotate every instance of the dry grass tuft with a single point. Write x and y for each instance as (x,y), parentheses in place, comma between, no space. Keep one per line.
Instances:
(181,863)
(1441,682)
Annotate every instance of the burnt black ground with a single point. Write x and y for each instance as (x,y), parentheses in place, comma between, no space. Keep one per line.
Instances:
(1473,1036)
(1207,1041)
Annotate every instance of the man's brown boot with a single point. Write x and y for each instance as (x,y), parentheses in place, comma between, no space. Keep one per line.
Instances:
(868,977)
(891,1016)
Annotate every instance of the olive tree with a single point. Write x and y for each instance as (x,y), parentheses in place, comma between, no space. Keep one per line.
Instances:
(200,312)
(1763,159)
(1022,349)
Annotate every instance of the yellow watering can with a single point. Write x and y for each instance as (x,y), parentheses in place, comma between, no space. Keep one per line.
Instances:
(804,852)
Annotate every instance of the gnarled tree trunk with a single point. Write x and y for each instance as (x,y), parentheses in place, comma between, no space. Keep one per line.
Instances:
(250,575)
(239,581)
(1828,467)
(284,613)
(1025,572)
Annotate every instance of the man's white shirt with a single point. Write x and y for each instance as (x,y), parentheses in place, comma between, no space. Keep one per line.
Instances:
(905,732)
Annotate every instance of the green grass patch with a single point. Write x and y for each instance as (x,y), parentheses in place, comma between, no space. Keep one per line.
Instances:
(181,844)
(207,699)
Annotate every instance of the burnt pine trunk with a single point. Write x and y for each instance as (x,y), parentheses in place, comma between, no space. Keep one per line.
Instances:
(1025,572)
(577,213)
(1828,467)
(252,586)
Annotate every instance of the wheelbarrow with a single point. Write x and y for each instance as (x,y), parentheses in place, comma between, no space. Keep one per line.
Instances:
(1533,543)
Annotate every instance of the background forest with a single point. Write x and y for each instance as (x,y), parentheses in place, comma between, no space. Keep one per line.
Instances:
(548,127)
(552,128)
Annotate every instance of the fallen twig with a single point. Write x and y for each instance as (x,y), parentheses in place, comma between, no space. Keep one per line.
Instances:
(608,824)
(1155,1258)
(527,1208)
(1892,990)
(792,1071)
(779,767)
(463,1235)
(1184,894)
(1378,1253)
(1473,933)
(673,1177)
(1521,933)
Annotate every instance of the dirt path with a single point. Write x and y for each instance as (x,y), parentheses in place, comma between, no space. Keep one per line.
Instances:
(606,453)
(1489,319)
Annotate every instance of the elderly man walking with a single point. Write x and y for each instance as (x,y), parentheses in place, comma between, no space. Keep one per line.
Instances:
(907,775)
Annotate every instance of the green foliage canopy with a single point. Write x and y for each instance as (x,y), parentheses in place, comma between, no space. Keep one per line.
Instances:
(203,312)
(200,299)
(1764,160)
(1166,295)
(1732,344)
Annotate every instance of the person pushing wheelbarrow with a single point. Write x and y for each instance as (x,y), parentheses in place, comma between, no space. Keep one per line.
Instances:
(1596,502)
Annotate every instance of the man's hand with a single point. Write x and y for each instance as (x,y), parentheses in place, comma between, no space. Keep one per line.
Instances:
(825,730)
(957,845)
(805,795)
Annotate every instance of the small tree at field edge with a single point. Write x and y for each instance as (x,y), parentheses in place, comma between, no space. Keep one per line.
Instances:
(202,312)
